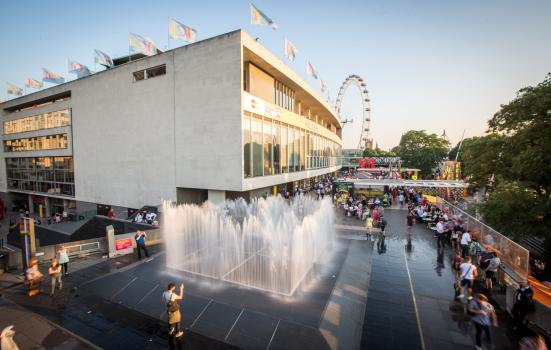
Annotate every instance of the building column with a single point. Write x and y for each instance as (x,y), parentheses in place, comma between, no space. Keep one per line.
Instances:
(31,204)
(47,210)
(216,196)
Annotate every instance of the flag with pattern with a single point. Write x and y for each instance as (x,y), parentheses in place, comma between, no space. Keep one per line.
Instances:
(290,50)
(14,90)
(259,17)
(33,83)
(179,31)
(103,59)
(77,68)
(51,77)
(311,71)
(142,45)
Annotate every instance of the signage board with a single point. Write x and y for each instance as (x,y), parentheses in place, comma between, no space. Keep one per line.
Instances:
(124,243)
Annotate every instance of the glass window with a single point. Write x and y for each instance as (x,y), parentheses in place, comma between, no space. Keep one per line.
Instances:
(290,149)
(156,71)
(296,151)
(38,122)
(246,146)
(302,154)
(267,145)
(276,134)
(36,143)
(38,175)
(256,137)
(284,157)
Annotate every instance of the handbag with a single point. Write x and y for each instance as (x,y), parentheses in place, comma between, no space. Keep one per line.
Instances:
(172,305)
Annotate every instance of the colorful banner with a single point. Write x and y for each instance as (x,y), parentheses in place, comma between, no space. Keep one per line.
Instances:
(103,59)
(290,50)
(311,71)
(178,31)
(142,45)
(33,83)
(14,90)
(79,69)
(51,77)
(323,87)
(259,17)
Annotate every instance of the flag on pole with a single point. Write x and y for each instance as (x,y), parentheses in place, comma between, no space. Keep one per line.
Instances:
(79,69)
(103,59)
(259,17)
(290,50)
(51,77)
(323,87)
(142,45)
(178,31)
(33,83)
(14,90)
(311,71)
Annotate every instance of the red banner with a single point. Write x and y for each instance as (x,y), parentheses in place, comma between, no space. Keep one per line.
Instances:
(121,244)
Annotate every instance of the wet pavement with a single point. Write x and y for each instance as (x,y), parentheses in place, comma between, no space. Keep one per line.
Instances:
(373,295)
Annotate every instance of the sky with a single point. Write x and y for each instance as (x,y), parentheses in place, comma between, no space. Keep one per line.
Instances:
(428,65)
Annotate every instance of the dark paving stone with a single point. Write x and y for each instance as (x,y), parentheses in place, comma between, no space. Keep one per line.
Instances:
(106,287)
(133,293)
(291,336)
(252,331)
(217,320)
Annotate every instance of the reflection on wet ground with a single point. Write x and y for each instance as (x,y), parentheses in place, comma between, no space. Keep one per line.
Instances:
(391,319)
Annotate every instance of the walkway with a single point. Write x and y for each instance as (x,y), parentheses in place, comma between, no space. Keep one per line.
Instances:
(410,295)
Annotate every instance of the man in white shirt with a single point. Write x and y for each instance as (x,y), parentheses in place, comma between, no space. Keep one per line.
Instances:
(467,274)
(440,232)
(465,241)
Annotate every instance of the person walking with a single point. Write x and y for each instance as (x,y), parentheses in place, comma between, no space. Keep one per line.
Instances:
(55,274)
(171,301)
(490,272)
(465,240)
(524,303)
(483,316)
(33,278)
(63,257)
(409,222)
(140,243)
(368,227)
(440,228)
(467,273)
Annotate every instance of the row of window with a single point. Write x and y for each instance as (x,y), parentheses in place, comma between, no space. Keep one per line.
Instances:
(37,143)
(149,73)
(271,147)
(53,175)
(284,96)
(38,122)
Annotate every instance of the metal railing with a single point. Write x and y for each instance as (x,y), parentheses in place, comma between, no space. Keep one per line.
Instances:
(83,248)
(511,253)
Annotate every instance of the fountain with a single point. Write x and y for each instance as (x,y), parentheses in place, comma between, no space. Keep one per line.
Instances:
(269,244)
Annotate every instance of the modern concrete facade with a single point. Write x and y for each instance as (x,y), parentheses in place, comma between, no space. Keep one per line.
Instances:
(169,126)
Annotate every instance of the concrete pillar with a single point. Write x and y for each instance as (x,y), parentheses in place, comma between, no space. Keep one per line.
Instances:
(47,210)
(31,206)
(216,196)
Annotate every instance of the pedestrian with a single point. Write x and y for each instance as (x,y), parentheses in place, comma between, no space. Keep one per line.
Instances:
(409,221)
(368,226)
(467,273)
(383,225)
(63,257)
(524,303)
(440,228)
(33,278)
(401,199)
(465,240)
(140,243)
(490,272)
(532,341)
(483,316)
(55,273)
(171,301)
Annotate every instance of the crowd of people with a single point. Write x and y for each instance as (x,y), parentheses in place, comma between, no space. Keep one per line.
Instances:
(146,217)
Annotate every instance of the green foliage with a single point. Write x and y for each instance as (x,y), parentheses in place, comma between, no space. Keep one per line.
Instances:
(516,211)
(417,149)
(483,158)
(527,122)
(377,152)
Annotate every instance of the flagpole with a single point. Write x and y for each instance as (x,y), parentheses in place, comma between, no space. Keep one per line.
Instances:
(168,35)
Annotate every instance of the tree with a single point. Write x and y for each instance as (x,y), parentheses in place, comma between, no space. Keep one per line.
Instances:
(421,150)
(377,152)
(527,120)
(483,158)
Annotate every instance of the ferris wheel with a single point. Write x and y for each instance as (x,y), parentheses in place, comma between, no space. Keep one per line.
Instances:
(366,107)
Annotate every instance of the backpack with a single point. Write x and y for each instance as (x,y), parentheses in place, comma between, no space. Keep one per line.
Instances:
(172,305)
(469,309)
(474,248)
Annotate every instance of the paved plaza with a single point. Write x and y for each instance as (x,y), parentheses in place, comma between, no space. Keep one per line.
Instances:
(368,294)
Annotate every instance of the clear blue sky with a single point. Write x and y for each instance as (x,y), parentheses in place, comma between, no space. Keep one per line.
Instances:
(429,65)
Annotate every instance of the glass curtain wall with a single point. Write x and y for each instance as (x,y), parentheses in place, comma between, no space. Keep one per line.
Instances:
(271,147)
(54,175)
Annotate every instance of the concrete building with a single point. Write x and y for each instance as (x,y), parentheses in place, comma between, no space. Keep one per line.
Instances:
(220,118)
